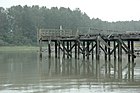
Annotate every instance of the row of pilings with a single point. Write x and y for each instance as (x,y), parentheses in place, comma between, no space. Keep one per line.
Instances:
(111,51)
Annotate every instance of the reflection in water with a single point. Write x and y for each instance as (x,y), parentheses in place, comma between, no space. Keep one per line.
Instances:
(26,73)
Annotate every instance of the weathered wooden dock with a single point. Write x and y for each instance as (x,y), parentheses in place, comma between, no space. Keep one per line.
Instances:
(72,44)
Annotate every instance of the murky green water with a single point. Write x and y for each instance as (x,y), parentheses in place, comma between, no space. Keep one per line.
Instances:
(26,73)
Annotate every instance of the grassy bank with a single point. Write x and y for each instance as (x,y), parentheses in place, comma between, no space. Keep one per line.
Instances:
(19,48)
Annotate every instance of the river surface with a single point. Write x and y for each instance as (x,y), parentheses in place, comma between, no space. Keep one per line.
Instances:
(24,72)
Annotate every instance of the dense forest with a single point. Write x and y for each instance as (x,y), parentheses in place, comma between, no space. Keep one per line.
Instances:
(19,24)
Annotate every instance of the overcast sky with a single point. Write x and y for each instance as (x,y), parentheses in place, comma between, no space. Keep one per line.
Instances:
(107,10)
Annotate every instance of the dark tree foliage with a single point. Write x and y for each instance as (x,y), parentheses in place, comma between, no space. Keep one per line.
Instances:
(19,24)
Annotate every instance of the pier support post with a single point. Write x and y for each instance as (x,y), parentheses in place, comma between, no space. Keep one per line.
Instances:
(63,49)
(133,64)
(105,62)
(87,52)
(40,48)
(59,49)
(49,48)
(55,49)
(109,60)
(75,49)
(78,49)
(119,61)
(129,61)
(83,50)
(92,51)
(97,58)
(114,44)
(68,49)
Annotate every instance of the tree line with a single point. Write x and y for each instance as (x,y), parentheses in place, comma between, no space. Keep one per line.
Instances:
(19,24)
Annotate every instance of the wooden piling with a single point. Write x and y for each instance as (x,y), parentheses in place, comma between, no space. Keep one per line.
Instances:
(87,50)
(132,50)
(58,49)
(129,61)
(83,50)
(78,49)
(120,61)
(49,48)
(63,49)
(40,48)
(92,51)
(70,49)
(75,49)
(97,58)
(105,62)
(109,60)
(55,49)
(68,45)
(114,44)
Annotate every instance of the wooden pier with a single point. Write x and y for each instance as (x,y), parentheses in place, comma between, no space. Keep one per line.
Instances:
(72,44)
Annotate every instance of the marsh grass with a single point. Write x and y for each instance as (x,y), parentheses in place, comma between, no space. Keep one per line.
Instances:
(19,48)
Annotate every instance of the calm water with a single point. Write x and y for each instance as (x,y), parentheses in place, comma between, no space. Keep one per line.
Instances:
(26,73)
